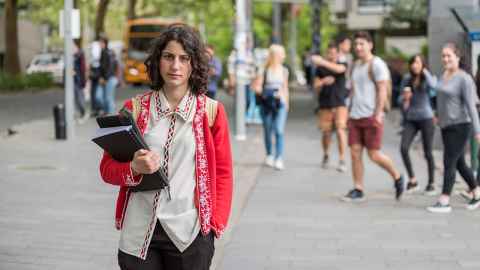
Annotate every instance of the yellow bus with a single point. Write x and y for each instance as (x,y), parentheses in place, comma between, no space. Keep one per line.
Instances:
(138,36)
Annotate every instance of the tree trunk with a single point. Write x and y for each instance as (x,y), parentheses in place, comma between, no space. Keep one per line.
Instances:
(100,19)
(131,9)
(12,62)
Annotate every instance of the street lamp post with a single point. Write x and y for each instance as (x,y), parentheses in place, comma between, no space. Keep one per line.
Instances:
(316,37)
(241,28)
(277,23)
(68,56)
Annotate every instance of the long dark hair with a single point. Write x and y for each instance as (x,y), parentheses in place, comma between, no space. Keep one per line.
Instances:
(193,46)
(414,76)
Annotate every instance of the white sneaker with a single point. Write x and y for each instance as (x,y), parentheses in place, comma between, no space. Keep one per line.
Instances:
(342,167)
(440,208)
(473,204)
(269,161)
(279,164)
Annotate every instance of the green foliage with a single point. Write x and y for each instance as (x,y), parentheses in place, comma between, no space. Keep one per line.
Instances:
(412,12)
(396,53)
(263,21)
(424,49)
(214,18)
(35,81)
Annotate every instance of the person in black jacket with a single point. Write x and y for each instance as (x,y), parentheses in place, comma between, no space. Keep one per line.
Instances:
(79,79)
(108,77)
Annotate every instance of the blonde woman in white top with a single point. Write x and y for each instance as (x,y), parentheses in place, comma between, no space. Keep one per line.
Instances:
(271,85)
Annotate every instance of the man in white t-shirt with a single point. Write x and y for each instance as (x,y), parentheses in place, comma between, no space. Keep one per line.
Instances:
(370,78)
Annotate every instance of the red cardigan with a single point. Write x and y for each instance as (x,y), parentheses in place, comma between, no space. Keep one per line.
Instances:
(213,165)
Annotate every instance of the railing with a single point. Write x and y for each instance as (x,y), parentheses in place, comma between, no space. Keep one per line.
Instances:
(373,3)
(374,6)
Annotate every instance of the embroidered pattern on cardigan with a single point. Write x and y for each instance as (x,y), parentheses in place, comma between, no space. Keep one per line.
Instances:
(144,111)
(203,182)
(129,181)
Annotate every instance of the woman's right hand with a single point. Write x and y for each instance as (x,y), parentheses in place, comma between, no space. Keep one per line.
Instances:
(145,162)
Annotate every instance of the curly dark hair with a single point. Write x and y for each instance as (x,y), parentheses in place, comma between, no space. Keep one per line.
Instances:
(193,46)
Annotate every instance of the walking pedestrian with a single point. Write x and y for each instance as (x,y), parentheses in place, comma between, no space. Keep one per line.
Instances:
(370,76)
(418,116)
(79,80)
(94,76)
(456,116)
(272,86)
(329,84)
(248,71)
(108,77)
(188,136)
(214,72)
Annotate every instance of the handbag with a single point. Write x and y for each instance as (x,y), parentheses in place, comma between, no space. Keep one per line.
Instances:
(269,98)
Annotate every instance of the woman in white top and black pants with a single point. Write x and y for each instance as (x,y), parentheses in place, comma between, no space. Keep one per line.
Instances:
(272,86)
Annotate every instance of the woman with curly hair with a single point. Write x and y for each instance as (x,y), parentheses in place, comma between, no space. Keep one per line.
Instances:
(188,137)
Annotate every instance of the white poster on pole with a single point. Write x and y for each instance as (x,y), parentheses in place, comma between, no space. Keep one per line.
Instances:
(75,23)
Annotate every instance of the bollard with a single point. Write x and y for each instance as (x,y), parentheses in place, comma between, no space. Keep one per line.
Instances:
(60,124)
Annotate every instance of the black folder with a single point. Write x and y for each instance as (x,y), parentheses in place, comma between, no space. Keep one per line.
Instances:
(119,136)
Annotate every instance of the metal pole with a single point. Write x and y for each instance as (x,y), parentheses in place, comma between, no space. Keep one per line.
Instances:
(316,38)
(240,69)
(293,38)
(277,23)
(68,60)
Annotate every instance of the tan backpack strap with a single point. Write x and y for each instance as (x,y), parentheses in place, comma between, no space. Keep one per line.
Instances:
(371,75)
(211,108)
(135,107)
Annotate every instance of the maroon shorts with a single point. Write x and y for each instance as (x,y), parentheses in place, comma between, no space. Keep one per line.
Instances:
(366,132)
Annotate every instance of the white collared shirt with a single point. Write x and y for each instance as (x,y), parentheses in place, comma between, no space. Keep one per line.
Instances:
(178,216)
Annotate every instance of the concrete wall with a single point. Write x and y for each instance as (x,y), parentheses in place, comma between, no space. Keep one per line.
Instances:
(442,28)
(358,18)
(30,40)
(408,45)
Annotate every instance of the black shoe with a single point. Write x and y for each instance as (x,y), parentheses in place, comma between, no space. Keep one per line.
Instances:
(412,187)
(354,195)
(430,190)
(473,204)
(399,187)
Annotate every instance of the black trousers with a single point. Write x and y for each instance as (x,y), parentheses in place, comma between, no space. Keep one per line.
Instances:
(410,130)
(163,254)
(455,139)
